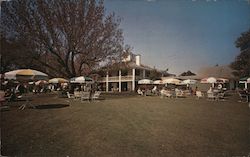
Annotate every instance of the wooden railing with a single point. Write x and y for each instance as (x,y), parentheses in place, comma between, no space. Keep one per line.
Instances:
(116,78)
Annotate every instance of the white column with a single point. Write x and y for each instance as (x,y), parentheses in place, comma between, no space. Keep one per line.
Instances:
(143,73)
(133,79)
(120,80)
(246,85)
(107,82)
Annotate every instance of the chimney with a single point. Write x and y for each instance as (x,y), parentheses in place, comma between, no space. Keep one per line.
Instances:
(138,60)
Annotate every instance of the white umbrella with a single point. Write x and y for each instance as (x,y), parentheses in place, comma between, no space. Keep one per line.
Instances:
(211,80)
(189,81)
(81,79)
(31,82)
(245,80)
(171,81)
(158,82)
(145,81)
(222,80)
(25,74)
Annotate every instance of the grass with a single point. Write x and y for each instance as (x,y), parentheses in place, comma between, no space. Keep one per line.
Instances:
(128,127)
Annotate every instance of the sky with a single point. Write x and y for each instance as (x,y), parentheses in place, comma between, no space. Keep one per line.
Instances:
(182,35)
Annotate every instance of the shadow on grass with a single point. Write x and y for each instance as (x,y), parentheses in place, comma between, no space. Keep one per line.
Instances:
(51,106)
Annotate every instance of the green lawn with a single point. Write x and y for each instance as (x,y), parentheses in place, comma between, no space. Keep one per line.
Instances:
(131,126)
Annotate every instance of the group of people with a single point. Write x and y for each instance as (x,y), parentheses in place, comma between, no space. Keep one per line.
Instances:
(14,92)
(165,91)
(11,91)
(144,91)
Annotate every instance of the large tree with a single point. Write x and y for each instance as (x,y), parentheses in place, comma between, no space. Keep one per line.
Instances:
(242,61)
(66,37)
(14,55)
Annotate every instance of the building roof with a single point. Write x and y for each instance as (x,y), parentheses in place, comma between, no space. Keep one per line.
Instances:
(192,77)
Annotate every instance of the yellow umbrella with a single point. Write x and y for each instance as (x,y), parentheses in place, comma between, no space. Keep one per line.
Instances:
(25,74)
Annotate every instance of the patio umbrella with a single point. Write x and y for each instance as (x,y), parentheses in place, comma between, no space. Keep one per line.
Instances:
(81,79)
(189,81)
(58,80)
(222,80)
(25,74)
(245,80)
(171,81)
(211,80)
(41,82)
(145,81)
(157,82)
(31,82)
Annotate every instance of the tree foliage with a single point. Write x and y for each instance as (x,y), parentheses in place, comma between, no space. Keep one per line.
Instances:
(12,57)
(188,73)
(155,75)
(66,37)
(242,61)
(243,42)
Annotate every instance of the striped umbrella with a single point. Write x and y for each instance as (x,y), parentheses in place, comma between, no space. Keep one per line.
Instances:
(58,80)
(41,82)
(25,74)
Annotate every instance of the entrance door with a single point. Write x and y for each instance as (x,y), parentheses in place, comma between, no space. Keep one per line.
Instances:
(124,86)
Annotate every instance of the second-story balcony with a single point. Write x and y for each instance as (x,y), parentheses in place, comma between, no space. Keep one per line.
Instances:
(116,78)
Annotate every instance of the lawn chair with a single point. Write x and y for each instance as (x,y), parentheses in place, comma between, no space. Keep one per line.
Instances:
(70,95)
(148,93)
(179,94)
(96,95)
(162,93)
(140,92)
(166,93)
(3,105)
(199,94)
(85,96)
(211,95)
(221,96)
(77,95)
(27,98)
(169,94)
(243,96)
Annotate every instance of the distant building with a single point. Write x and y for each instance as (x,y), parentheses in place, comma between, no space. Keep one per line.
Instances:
(124,76)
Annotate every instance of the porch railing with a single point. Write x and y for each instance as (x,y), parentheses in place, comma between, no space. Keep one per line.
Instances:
(116,78)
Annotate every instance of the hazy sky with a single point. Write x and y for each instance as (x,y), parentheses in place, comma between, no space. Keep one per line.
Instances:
(182,34)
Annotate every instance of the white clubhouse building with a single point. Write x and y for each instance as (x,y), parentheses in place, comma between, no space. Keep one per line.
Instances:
(125,76)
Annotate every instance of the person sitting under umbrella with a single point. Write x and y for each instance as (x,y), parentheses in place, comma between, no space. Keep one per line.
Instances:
(140,92)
